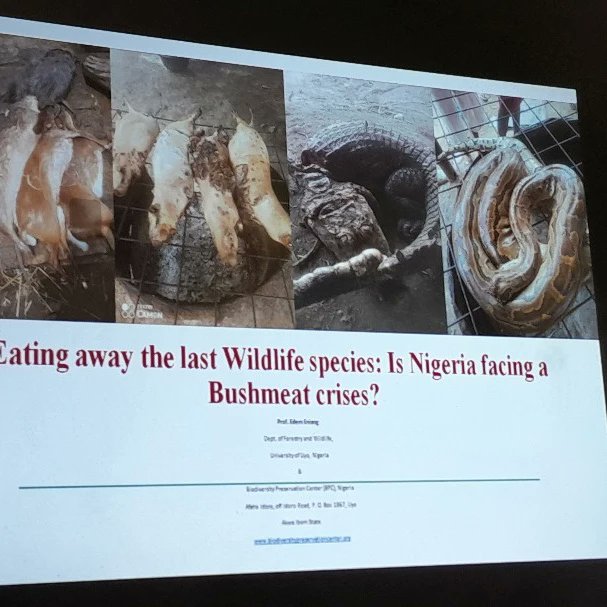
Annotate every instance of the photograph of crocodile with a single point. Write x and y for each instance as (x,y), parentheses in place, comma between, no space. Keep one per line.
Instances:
(513,212)
(364,207)
(202,212)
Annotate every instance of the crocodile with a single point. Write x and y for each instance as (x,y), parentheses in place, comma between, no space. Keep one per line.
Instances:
(341,215)
(401,175)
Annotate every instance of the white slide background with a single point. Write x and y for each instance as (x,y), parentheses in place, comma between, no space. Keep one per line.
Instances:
(100,427)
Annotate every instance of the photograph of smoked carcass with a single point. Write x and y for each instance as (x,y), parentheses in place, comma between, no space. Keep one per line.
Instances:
(364,207)
(513,217)
(56,241)
(202,216)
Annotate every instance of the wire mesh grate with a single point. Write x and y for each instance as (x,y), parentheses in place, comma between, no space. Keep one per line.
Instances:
(270,305)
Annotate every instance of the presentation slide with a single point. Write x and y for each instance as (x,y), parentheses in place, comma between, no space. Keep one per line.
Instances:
(263,313)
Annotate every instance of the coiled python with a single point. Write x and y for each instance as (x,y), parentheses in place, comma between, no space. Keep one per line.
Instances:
(523,285)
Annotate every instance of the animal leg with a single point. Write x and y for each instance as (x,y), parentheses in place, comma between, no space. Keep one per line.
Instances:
(53,255)
(83,246)
(28,239)
(62,227)
(109,236)
(63,250)
(66,234)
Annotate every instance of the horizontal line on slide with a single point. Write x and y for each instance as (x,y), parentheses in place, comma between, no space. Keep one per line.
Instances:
(240,484)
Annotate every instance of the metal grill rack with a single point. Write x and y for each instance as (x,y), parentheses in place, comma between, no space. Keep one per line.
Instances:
(271,305)
(550,131)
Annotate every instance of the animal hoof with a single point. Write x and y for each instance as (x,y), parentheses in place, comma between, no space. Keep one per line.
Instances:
(29,240)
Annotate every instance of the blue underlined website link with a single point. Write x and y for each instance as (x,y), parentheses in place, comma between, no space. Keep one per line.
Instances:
(274,541)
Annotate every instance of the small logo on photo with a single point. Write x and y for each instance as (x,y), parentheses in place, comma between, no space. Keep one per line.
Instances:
(130,311)
(127,311)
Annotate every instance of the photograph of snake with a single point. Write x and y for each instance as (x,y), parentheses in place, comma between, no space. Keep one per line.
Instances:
(364,208)
(513,217)
(56,240)
(202,215)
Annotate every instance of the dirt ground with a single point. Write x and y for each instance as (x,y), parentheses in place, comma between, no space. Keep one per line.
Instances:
(314,102)
(217,90)
(83,289)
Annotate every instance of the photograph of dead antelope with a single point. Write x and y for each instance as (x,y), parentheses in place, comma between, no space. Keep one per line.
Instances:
(202,213)
(513,217)
(364,207)
(56,241)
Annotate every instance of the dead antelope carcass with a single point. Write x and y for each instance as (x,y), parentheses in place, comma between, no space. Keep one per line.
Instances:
(17,142)
(172,176)
(86,216)
(40,219)
(134,137)
(251,162)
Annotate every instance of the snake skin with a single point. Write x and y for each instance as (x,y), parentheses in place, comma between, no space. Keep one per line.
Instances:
(524,285)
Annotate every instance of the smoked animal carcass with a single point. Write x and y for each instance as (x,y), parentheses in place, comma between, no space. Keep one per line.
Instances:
(215,185)
(172,176)
(134,136)
(251,162)
(218,250)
